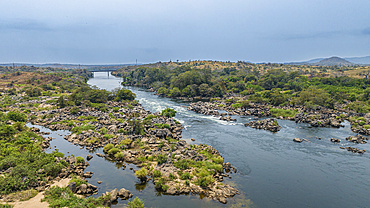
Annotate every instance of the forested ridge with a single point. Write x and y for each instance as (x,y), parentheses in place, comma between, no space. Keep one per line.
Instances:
(274,84)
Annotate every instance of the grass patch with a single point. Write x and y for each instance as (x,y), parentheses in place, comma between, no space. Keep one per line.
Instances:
(21,195)
(283,112)
(79,129)
(64,197)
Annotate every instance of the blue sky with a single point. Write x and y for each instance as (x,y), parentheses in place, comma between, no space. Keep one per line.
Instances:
(120,31)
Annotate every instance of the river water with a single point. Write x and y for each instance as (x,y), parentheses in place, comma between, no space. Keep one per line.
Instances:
(273,171)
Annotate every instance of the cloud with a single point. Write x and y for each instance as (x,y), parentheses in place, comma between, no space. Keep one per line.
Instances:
(25,24)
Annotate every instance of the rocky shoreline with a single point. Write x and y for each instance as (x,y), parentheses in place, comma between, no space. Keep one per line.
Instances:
(319,117)
(130,134)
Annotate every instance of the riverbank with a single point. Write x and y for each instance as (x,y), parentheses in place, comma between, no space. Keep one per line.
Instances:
(131,134)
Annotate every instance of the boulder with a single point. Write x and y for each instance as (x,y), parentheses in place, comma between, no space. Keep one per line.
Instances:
(297,140)
(72,187)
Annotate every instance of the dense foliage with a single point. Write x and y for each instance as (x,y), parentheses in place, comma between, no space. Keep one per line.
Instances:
(22,157)
(64,197)
(277,86)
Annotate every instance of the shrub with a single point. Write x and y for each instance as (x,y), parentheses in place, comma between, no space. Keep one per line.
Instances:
(168,112)
(362,123)
(119,155)
(74,110)
(184,164)
(78,181)
(135,203)
(64,197)
(122,131)
(157,174)
(172,176)
(15,116)
(186,176)
(113,151)
(161,159)
(150,158)
(150,117)
(218,160)
(108,147)
(71,123)
(79,160)
(205,181)
(125,94)
(103,131)
(236,105)
(79,129)
(115,109)
(187,183)
(108,136)
(283,112)
(126,141)
(141,174)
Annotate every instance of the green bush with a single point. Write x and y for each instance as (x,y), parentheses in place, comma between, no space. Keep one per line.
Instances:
(205,181)
(80,160)
(113,151)
(125,94)
(157,174)
(161,159)
(64,197)
(283,112)
(15,116)
(108,136)
(135,203)
(115,109)
(74,110)
(150,117)
(218,160)
(168,112)
(78,181)
(184,164)
(108,147)
(172,176)
(141,174)
(119,155)
(103,131)
(150,158)
(126,142)
(186,176)
(79,129)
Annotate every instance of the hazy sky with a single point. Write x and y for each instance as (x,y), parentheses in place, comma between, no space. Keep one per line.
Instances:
(120,31)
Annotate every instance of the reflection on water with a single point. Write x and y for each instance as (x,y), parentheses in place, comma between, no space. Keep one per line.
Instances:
(273,171)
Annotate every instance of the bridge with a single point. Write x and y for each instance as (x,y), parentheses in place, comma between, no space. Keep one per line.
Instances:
(101,70)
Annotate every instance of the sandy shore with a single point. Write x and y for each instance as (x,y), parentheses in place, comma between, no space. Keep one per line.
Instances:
(35,202)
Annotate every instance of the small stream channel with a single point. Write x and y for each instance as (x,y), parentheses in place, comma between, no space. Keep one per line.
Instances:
(273,171)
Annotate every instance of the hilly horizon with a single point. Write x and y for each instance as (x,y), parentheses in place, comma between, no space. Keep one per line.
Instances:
(334,60)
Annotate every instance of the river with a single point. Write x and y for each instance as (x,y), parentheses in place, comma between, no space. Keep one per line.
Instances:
(273,171)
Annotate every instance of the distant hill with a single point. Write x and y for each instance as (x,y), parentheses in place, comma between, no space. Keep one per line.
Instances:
(332,61)
(359,60)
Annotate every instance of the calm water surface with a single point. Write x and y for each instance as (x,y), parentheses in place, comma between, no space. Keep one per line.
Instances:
(273,171)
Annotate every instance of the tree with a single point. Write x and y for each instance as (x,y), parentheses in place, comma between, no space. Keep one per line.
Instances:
(125,94)
(61,102)
(175,92)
